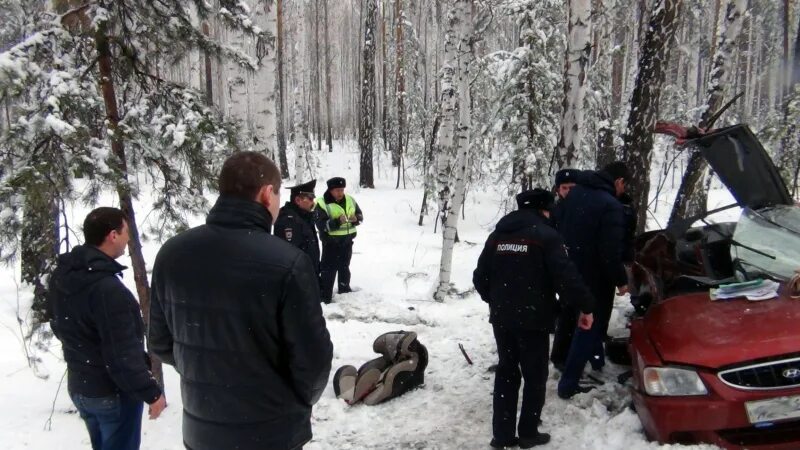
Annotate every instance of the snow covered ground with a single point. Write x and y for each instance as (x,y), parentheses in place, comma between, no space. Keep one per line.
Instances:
(395,264)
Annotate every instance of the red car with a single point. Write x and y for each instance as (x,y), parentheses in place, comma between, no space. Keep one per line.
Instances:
(725,372)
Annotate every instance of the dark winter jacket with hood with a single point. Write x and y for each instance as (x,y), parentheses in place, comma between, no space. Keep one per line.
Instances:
(296,226)
(236,311)
(522,266)
(99,324)
(592,224)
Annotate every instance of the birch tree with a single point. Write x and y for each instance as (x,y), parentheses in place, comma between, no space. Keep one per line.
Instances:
(458,137)
(575,68)
(692,195)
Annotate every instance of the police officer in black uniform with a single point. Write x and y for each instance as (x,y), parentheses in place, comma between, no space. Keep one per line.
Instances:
(295,222)
(337,217)
(566,316)
(523,265)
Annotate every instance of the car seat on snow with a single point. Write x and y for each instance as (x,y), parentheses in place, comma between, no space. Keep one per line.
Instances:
(400,369)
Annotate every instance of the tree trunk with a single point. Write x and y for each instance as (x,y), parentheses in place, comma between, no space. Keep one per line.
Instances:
(367,125)
(209,79)
(316,87)
(328,93)
(460,134)
(263,83)
(400,85)
(788,160)
(692,196)
(104,60)
(576,65)
(638,137)
(280,92)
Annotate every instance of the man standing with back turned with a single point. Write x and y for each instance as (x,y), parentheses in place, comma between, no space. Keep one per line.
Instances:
(236,311)
(522,266)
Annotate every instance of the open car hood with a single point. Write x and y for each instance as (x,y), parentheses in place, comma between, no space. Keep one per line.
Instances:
(691,329)
(740,161)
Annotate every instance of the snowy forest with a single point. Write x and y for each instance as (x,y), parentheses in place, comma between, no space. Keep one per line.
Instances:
(443,110)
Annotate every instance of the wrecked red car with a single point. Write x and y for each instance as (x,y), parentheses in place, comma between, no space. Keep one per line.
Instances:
(725,372)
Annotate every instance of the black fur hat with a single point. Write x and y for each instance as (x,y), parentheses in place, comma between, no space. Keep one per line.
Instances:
(535,199)
(336,182)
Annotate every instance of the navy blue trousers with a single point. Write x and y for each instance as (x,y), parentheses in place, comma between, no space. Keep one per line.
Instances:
(113,422)
(336,255)
(523,355)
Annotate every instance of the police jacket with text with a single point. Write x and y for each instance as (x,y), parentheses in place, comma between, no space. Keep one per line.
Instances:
(99,323)
(522,266)
(236,311)
(296,226)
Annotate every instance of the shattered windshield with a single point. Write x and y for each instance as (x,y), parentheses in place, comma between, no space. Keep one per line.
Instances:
(768,242)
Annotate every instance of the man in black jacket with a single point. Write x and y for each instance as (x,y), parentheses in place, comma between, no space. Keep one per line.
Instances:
(99,324)
(592,225)
(522,266)
(565,316)
(295,222)
(236,311)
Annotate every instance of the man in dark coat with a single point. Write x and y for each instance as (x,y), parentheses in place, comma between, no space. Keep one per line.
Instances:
(338,215)
(565,316)
(99,324)
(295,222)
(522,266)
(592,224)
(236,311)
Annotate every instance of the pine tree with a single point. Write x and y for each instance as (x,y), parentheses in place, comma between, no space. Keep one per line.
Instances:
(89,98)
(638,137)
(366,129)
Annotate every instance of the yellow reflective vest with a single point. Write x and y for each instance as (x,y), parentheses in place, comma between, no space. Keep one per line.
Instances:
(335,211)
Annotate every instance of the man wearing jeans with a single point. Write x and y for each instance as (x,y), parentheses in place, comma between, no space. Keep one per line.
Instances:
(99,324)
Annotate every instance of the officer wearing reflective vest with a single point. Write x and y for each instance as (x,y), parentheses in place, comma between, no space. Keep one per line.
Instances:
(338,215)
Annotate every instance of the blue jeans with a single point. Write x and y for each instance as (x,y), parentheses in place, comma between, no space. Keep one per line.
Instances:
(114,422)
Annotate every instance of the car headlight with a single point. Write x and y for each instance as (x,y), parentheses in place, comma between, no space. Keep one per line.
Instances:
(672,381)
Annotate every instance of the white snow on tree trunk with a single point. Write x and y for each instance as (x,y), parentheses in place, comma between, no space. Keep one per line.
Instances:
(302,141)
(575,68)
(263,81)
(461,137)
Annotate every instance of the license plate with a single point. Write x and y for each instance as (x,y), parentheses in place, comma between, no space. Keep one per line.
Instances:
(773,409)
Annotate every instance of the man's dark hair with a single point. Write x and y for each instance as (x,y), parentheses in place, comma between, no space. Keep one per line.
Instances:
(617,169)
(244,173)
(100,222)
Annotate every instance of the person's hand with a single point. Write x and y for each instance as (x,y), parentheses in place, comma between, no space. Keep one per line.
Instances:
(622,290)
(585,321)
(342,219)
(156,407)
(352,219)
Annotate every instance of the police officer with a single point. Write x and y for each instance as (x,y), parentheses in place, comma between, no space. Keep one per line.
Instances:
(565,180)
(338,216)
(522,266)
(295,222)
(565,316)
(593,227)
